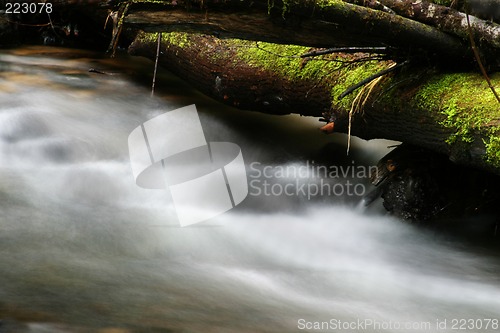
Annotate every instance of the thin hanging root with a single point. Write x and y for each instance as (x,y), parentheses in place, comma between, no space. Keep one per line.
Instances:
(370,87)
(478,59)
(110,14)
(156,64)
(358,105)
(354,109)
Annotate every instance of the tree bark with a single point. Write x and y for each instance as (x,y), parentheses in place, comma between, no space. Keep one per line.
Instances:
(303,23)
(449,20)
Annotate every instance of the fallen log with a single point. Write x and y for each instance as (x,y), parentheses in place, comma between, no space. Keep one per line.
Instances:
(450,113)
(304,24)
(439,32)
(449,20)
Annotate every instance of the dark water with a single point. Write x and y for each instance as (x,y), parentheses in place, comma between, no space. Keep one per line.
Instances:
(83,249)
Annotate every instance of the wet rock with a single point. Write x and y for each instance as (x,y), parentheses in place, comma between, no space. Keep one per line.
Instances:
(419,185)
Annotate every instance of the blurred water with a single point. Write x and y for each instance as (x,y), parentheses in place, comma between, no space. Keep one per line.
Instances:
(84,249)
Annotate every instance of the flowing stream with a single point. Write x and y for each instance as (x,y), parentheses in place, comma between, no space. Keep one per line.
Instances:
(83,249)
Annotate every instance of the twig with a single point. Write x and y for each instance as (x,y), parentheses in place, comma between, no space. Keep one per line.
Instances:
(306,55)
(353,49)
(118,26)
(478,59)
(156,64)
(372,77)
(107,19)
(358,105)
(354,61)
(274,53)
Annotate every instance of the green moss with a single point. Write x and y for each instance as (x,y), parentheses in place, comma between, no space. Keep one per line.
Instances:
(287,5)
(352,75)
(285,60)
(446,3)
(179,39)
(493,150)
(465,105)
(463,124)
(123,10)
(270,6)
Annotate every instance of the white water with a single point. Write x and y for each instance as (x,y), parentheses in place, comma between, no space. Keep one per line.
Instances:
(82,247)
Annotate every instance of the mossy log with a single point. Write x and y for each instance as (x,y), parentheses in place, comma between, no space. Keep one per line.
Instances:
(448,20)
(308,23)
(438,33)
(452,113)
